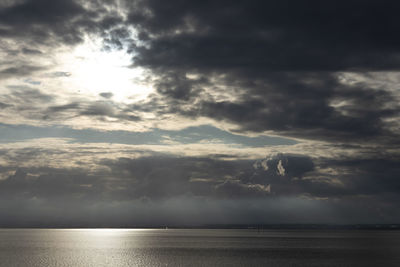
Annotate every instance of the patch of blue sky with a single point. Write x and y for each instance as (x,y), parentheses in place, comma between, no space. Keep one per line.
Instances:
(190,135)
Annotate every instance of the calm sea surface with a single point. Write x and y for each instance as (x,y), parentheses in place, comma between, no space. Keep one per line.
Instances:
(192,247)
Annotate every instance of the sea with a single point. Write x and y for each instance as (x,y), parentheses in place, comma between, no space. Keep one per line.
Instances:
(198,247)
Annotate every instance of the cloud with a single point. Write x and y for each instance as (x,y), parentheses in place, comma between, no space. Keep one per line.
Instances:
(17,71)
(280,70)
(273,35)
(4,105)
(289,165)
(257,73)
(43,20)
(100,110)
(235,189)
(325,183)
(366,176)
(159,175)
(106,95)
(28,51)
(164,188)
(59,74)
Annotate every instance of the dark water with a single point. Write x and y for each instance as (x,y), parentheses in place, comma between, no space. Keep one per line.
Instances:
(91,247)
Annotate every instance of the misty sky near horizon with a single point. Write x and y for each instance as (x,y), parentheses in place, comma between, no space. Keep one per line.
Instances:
(117,112)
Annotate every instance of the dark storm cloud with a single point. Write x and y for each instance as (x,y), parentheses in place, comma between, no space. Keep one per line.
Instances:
(200,187)
(276,58)
(295,104)
(284,173)
(117,38)
(177,86)
(350,177)
(152,177)
(40,20)
(162,176)
(369,176)
(166,177)
(49,184)
(155,177)
(286,165)
(269,35)
(279,57)
(330,178)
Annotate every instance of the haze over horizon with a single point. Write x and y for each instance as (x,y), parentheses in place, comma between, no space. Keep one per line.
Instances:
(151,112)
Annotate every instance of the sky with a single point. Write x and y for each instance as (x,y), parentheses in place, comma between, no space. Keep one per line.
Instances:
(151,112)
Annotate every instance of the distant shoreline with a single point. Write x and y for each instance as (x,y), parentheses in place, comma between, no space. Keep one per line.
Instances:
(257,227)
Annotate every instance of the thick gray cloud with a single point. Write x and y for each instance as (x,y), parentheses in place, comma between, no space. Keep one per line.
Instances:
(124,179)
(280,58)
(40,21)
(281,70)
(276,189)
(268,35)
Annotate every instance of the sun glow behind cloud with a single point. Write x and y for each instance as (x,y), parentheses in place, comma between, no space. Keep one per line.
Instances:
(94,70)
